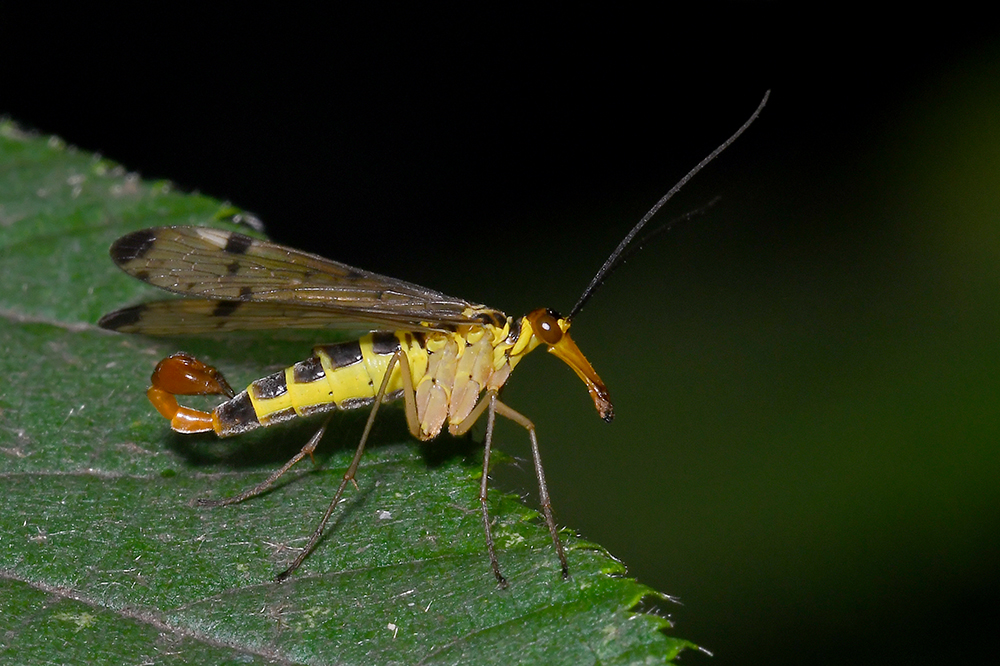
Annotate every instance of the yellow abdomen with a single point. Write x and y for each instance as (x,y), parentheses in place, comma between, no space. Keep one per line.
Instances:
(448,371)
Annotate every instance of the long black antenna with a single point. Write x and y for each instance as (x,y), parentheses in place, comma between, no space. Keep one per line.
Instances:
(617,257)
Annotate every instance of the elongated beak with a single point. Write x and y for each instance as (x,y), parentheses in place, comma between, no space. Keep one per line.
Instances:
(567,350)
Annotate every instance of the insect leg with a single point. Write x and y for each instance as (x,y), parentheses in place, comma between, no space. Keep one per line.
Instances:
(488,402)
(543,491)
(398,357)
(495,406)
(306,450)
(484,484)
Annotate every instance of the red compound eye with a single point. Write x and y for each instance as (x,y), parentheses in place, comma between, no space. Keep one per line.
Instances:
(545,324)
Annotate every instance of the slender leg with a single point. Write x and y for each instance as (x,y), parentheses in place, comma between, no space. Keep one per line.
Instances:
(488,404)
(543,491)
(349,474)
(307,450)
(484,487)
(491,401)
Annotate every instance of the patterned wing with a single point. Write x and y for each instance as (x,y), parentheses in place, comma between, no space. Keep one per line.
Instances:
(252,284)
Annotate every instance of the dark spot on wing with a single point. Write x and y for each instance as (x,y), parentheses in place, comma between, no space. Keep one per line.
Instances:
(245,293)
(233,267)
(132,246)
(124,318)
(238,244)
(225,308)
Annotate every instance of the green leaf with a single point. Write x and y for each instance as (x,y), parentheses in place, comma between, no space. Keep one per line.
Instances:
(105,558)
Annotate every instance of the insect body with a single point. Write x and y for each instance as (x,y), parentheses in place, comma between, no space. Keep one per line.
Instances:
(446,358)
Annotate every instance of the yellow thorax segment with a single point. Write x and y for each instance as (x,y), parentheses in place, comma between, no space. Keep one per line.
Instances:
(459,366)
